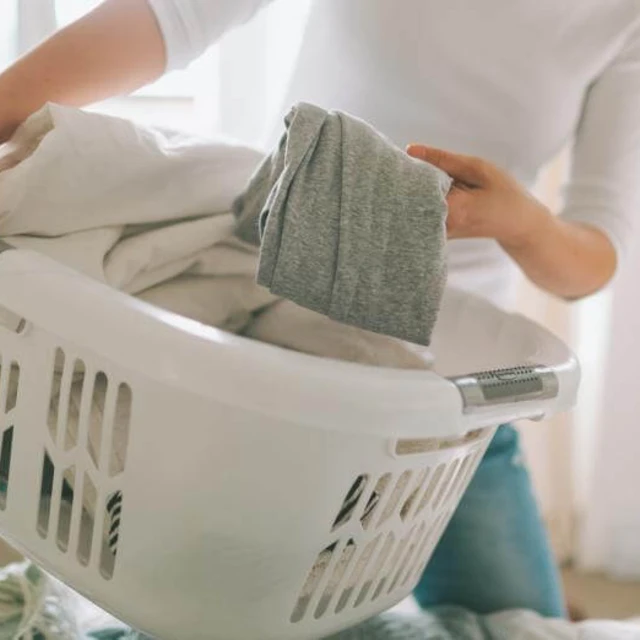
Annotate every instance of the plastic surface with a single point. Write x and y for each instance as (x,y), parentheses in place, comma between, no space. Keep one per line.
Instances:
(261,493)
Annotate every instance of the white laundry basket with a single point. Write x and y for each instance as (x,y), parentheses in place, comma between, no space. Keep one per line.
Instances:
(265,494)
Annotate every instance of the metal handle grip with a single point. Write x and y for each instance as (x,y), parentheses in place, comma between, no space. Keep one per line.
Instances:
(507,386)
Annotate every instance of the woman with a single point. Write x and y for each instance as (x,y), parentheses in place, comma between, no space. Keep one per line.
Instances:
(509,81)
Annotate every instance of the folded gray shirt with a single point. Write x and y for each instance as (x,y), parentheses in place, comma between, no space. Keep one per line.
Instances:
(349,225)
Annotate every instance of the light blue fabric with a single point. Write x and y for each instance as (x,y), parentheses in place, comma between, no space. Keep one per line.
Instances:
(116,633)
(495,555)
(444,623)
(455,623)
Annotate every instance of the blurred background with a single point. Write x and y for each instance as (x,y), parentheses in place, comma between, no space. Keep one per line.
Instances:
(585,465)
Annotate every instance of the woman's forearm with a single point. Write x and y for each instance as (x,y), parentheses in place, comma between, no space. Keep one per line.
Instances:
(113,50)
(567,259)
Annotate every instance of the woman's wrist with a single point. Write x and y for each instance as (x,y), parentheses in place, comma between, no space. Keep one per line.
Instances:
(535,226)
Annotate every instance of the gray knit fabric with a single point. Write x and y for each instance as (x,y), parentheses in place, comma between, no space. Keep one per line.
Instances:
(349,225)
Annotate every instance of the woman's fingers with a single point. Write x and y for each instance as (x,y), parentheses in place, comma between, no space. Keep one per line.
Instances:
(468,170)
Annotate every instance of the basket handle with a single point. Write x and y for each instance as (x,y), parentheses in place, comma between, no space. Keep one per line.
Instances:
(507,386)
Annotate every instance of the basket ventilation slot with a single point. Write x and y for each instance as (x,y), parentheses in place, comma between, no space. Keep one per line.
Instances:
(372,562)
(9,388)
(88,423)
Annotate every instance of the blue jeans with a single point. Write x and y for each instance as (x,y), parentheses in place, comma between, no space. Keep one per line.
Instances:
(495,555)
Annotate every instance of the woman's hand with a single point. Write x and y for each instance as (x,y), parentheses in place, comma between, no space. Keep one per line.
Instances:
(484,201)
(567,259)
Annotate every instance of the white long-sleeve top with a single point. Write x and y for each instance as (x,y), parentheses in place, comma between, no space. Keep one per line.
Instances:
(512,81)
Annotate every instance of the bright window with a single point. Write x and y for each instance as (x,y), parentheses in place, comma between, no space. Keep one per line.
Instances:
(233,89)
(8,32)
